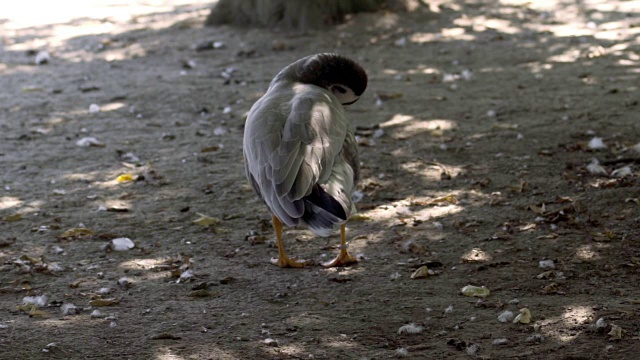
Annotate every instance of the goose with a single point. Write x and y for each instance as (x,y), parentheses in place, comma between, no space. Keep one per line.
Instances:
(300,152)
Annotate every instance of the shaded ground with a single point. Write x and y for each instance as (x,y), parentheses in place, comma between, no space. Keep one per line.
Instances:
(487,109)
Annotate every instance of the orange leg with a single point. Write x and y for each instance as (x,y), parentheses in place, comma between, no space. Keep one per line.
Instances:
(343,258)
(283,260)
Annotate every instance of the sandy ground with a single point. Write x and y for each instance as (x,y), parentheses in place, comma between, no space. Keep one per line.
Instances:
(477,130)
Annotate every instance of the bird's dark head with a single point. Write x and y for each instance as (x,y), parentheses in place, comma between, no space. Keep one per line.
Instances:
(344,77)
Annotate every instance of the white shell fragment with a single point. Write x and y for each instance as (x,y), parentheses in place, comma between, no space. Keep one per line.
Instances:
(595,168)
(97,314)
(498,342)
(401,42)
(122,244)
(124,282)
(130,157)
(547,264)
(38,301)
(42,57)
(88,141)
(596,143)
(621,172)
(270,342)
(94,108)
(506,316)
(472,349)
(601,323)
(185,276)
(449,309)
(410,329)
(636,147)
(220,130)
(104,291)
(536,339)
(402,352)
(69,309)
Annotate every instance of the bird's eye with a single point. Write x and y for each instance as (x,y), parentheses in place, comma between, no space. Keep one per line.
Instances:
(340,89)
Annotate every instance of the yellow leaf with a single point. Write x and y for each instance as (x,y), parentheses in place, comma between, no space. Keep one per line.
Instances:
(37,313)
(206,221)
(524,317)
(538,209)
(421,272)
(76,233)
(475,291)
(449,198)
(124,178)
(12,218)
(359,217)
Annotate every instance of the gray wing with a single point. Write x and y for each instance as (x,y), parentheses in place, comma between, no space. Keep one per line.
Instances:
(301,157)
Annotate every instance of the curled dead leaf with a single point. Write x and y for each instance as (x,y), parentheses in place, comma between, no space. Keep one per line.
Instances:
(421,273)
(615,333)
(524,317)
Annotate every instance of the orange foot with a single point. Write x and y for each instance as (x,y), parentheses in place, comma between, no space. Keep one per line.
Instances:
(343,259)
(286,262)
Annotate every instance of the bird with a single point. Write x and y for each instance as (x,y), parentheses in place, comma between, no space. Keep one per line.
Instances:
(300,151)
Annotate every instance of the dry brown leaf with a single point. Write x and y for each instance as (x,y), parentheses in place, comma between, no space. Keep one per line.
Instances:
(615,333)
(206,221)
(104,302)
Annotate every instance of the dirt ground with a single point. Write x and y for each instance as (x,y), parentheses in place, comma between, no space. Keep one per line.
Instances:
(478,130)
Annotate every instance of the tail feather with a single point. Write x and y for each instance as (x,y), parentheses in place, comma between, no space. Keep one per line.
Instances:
(322,212)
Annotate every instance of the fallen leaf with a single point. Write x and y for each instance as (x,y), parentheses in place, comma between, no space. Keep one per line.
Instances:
(104,302)
(125,178)
(451,199)
(538,209)
(76,233)
(206,221)
(360,217)
(420,273)
(475,291)
(13,218)
(35,312)
(524,317)
(200,293)
(389,96)
(615,333)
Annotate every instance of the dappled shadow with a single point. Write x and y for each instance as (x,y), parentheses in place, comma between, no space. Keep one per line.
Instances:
(483,123)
